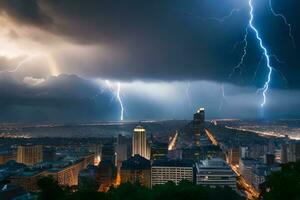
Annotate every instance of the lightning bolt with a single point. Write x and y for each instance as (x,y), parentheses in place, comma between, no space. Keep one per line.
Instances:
(241,62)
(266,86)
(21,63)
(187,94)
(120,101)
(285,21)
(224,18)
(118,96)
(223,97)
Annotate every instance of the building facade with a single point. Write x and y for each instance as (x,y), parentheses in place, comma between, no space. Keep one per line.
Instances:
(215,172)
(163,171)
(136,169)
(140,145)
(30,154)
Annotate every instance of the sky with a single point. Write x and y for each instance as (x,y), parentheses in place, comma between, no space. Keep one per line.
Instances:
(62,60)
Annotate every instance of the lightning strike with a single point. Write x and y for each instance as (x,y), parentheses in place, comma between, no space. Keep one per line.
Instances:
(285,21)
(241,62)
(224,18)
(29,58)
(187,94)
(111,87)
(120,101)
(223,97)
(265,88)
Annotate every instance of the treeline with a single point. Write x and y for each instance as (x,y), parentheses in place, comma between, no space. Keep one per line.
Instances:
(50,190)
(284,184)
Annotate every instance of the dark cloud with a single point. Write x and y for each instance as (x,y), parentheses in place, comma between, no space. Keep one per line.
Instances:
(169,39)
(66,98)
(25,11)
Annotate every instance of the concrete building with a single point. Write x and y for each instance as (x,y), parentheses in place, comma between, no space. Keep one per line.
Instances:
(136,169)
(163,171)
(140,145)
(215,172)
(30,154)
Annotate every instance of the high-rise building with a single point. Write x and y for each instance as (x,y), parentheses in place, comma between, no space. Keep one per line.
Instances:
(163,171)
(121,149)
(106,174)
(140,145)
(215,172)
(30,154)
(198,125)
(108,153)
(136,169)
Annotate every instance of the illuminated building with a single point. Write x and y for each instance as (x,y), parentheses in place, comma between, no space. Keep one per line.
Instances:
(233,156)
(140,145)
(67,175)
(163,171)
(7,156)
(215,172)
(30,154)
(198,125)
(136,169)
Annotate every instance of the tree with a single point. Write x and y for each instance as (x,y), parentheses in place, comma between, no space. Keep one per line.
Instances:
(284,184)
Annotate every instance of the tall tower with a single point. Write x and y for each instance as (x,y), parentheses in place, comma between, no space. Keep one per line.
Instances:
(198,125)
(139,142)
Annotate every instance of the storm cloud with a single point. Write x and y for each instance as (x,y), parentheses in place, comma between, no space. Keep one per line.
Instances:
(164,40)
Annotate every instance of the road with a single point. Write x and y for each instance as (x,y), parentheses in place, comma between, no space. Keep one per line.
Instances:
(250,191)
(173,142)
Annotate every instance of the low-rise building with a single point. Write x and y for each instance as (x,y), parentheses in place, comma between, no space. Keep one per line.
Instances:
(163,171)
(215,172)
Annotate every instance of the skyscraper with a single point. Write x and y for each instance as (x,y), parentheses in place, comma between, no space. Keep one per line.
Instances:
(30,154)
(139,142)
(198,125)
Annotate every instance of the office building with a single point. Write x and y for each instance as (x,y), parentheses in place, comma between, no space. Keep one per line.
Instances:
(215,172)
(140,145)
(108,153)
(136,169)
(163,171)
(198,125)
(159,151)
(30,154)
(106,174)
(121,149)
